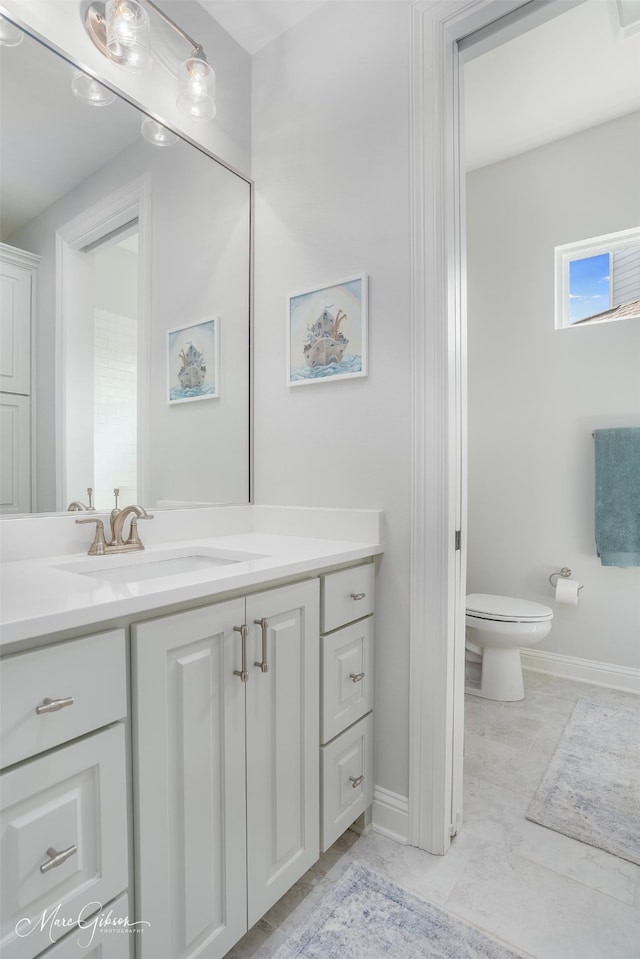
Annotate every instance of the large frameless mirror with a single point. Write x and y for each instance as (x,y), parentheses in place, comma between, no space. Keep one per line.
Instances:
(124,302)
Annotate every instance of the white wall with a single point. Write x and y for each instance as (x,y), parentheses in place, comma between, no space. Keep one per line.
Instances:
(535,394)
(331,164)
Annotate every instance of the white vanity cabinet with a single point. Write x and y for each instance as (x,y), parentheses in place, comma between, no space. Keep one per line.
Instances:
(346,727)
(226,779)
(63,794)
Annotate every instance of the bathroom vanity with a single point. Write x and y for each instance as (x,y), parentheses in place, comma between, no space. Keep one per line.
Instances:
(191,729)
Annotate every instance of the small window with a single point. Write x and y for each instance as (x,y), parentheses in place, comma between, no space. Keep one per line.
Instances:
(598,280)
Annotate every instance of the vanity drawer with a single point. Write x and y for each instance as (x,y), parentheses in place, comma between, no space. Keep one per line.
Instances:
(105,935)
(347,595)
(347,780)
(71,800)
(91,672)
(347,677)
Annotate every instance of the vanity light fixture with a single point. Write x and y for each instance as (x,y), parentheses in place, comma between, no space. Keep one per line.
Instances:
(10,36)
(120,29)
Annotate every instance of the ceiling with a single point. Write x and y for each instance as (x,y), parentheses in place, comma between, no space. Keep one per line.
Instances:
(566,75)
(255,23)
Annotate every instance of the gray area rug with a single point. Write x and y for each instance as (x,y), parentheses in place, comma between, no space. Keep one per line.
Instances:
(363,916)
(591,789)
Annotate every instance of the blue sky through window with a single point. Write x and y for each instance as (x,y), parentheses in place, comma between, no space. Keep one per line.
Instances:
(588,287)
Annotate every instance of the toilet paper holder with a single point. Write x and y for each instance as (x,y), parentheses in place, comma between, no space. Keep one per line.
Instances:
(565,572)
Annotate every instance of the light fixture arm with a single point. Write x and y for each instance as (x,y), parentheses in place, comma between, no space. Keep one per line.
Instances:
(197,50)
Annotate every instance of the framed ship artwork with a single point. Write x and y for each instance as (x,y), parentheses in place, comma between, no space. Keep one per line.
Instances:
(193,361)
(327,333)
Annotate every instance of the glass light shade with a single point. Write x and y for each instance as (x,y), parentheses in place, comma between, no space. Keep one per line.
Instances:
(155,133)
(197,89)
(10,35)
(128,34)
(88,90)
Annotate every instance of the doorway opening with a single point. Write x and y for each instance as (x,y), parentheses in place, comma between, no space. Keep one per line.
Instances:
(115,366)
(101,351)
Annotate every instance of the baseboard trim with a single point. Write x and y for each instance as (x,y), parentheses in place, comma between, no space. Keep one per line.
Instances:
(625,678)
(390,815)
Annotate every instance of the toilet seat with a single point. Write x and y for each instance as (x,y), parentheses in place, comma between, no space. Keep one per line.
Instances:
(506,609)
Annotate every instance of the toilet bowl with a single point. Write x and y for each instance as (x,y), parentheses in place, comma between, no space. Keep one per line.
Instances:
(496,628)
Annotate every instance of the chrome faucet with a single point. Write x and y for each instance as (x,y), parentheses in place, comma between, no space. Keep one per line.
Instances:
(100,547)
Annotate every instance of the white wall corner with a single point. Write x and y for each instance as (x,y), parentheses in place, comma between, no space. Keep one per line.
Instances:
(390,815)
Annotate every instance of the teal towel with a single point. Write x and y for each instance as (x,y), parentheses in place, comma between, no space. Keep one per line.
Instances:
(617,500)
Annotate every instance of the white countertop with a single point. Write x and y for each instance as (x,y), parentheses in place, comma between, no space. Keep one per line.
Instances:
(38,598)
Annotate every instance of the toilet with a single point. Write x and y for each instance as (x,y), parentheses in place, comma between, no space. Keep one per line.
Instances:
(496,628)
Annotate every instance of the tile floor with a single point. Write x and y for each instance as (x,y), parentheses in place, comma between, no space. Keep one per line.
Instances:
(545,895)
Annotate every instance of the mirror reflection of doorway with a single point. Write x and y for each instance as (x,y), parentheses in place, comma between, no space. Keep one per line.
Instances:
(115,367)
(100,349)
(102,282)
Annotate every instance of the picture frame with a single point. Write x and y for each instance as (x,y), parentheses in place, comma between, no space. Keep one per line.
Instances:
(193,361)
(327,332)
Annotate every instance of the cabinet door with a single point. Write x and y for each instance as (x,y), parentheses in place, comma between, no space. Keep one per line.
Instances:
(15,328)
(15,453)
(282,741)
(189,786)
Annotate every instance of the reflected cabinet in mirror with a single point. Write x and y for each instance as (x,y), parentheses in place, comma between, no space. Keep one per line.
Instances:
(124,303)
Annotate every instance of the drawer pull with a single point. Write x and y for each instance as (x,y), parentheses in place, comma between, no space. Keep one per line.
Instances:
(53,705)
(357,596)
(356,781)
(356,677)
(243,673)
(57,858)
(264,624)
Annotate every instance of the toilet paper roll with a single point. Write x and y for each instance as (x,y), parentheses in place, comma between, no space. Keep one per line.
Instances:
(567,591)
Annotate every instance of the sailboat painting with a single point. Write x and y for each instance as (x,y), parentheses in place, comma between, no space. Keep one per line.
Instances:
(327,333)
(193,366)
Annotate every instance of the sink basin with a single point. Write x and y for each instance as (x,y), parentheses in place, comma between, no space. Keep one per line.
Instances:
(139,566)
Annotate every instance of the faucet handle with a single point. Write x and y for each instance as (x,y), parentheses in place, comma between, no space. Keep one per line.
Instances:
(99,545)
(133,538)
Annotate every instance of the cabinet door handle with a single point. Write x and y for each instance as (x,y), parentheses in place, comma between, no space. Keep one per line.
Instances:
(356,677)
(243,672)
(357,596)
(264,624)
(57,858)
(356,781)
(53,705)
